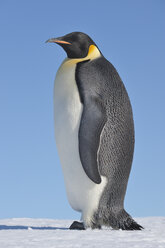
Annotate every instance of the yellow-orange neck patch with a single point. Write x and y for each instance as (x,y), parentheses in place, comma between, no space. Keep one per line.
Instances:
(91,50)
(93,53)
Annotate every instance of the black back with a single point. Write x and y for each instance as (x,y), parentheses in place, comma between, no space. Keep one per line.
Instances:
(106,131)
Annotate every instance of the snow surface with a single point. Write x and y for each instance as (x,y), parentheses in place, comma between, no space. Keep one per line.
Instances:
(48,233)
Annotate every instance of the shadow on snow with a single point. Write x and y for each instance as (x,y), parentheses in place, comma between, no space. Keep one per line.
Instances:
(5,227)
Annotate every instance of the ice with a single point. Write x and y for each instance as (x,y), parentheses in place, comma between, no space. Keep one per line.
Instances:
(49,233)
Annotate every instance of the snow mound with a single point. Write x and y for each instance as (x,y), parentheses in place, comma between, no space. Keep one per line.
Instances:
(48,233)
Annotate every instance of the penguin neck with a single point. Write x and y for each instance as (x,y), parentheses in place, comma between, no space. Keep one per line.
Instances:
(93,53)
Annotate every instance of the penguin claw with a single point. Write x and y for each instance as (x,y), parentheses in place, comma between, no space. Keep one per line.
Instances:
(77,226)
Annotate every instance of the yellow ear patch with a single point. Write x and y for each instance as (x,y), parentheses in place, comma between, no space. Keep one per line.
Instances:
(91,49)
(93,53)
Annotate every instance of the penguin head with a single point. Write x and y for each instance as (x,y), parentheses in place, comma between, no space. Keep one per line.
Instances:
(75,44)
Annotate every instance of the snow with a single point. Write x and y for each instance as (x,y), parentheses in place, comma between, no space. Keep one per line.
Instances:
(48,233)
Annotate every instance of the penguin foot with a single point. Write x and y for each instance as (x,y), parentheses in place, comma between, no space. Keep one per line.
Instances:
(77,226)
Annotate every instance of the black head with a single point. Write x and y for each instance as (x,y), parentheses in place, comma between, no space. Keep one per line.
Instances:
(75,44)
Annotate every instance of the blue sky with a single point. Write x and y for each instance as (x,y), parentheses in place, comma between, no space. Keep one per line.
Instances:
(131,35)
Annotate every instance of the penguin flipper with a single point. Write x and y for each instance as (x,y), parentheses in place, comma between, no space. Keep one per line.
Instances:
(92,122)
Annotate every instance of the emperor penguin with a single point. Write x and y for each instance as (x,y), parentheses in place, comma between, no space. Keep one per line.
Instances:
(94,132)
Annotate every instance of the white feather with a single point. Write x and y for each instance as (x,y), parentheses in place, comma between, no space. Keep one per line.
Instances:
(83,194)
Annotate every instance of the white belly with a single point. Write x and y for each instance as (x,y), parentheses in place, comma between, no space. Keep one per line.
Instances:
(82,193)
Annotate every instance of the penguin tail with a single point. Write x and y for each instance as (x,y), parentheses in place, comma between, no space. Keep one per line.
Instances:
(130,225)
(122,220)
(126,222)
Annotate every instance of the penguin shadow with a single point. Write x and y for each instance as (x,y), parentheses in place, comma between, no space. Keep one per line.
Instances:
(6,227)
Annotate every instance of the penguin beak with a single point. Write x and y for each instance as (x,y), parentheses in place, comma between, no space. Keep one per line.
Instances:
(57,40)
